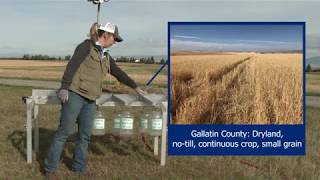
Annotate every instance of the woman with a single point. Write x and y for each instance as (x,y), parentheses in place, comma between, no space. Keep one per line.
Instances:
(81,85)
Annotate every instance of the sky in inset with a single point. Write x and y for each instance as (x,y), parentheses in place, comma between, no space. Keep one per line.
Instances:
(236,37)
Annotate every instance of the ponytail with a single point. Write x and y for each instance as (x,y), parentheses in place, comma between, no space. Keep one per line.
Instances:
(93,34)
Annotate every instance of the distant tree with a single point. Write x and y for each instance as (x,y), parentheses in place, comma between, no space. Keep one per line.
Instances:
(26,56)
(68,57)
(146,60)
(152,60)
(35,57)
(308,69)
(46,57)
(149,60)
(41,57)
(52,58)
(162,61)
(122,59)
(132,60)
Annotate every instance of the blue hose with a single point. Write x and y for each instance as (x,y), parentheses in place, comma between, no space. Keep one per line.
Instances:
(155,75)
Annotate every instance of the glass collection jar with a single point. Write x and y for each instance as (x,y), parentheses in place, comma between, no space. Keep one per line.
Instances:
(123,123)
(116,124)
(155,124)
(98,124)
(126,125)
(143,125)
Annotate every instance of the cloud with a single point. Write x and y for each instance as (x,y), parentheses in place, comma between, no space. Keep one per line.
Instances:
(257,41)
(179,45)
(186,37)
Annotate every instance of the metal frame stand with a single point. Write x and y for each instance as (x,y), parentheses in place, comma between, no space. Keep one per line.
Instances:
(40,97)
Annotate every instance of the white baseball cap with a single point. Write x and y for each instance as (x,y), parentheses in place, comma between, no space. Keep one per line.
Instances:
(111,28)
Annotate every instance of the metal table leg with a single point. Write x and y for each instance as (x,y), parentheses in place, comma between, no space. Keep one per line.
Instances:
(30,105)
(36,128)
(156,145)
(164,134)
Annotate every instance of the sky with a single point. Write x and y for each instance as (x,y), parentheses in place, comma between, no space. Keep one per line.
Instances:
(56,27)
(236,37)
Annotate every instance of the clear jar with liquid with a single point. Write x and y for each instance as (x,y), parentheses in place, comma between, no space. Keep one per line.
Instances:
(155,124)
(126,125)
(98,128)
(116,124)
(143,124)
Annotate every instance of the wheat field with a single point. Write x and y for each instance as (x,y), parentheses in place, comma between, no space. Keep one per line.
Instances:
(53,70)
(236,88)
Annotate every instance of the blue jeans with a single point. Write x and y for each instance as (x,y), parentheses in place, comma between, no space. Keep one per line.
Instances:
(76,108)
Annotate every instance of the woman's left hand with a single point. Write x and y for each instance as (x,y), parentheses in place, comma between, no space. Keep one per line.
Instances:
(140,91)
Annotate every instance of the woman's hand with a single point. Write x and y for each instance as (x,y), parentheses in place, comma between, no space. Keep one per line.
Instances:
(140,91)
(63,95)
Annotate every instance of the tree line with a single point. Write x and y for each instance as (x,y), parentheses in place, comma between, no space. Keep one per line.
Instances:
(145,60)
(45,57)
(310,69)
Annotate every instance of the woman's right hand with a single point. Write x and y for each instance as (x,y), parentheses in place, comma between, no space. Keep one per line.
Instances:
(63,95)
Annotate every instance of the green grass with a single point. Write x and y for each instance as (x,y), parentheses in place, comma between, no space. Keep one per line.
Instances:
(313,78)
(37,68)
(105,82)
(145,70)
(110,158)
(312,93)
(313,84)
(131,69)
(32,78)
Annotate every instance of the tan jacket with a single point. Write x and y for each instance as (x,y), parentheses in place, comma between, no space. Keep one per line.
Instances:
(86,70)
(88,79)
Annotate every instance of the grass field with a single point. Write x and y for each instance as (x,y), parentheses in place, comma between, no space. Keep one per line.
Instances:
(236,88)
(313,84)
(130,159)
(53,71)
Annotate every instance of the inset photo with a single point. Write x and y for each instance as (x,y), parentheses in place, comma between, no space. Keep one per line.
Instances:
(236,73)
